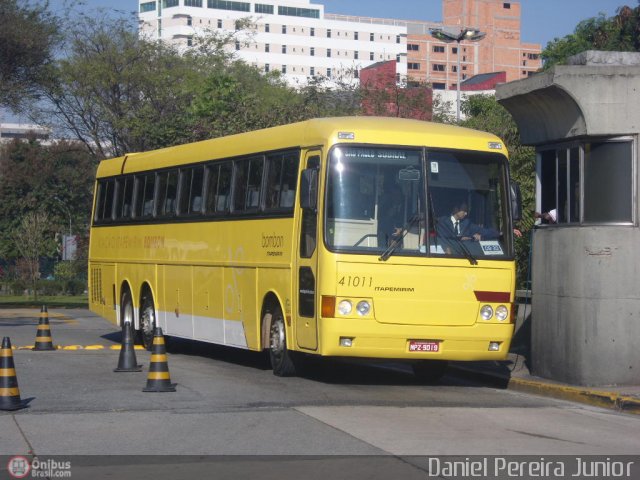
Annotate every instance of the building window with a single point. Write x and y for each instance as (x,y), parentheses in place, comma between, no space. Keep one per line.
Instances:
(398,58)
(312,32)
(170,3)
(312,51)
(371,37)
(284,69)
(454,50)
(284,49)
(266,68)
(439,86)
(371,56)
(355,55)
(189,41)
(328,52)
(312,71)
(237,45)
(355,35)
(263,8)
(533,56)
(438,49)
(284,29)
(328,33)
(438,67)
(397,38)
(413,47)
(605,197)
(147,7)
(413,66)
(267,28)
(506,5)
(219,23)
(454,68)
(189,22)
(193,3)
(299,12)
(267,47)
(328,72)
(226,5)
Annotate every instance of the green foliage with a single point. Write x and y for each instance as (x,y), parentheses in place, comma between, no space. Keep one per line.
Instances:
(618,33)
(28,35)
(485,113)
(56,179)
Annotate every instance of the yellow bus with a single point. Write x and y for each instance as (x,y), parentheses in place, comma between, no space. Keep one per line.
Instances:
(329,237)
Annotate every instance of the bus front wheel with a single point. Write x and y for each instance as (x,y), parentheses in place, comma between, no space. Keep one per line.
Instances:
(282,361)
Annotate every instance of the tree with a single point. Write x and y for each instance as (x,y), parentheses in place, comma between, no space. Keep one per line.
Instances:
(28,36)
(56,179)
(483,112)
(618,33)
(33,240)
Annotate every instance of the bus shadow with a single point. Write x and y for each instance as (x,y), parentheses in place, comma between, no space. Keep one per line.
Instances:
(341,371)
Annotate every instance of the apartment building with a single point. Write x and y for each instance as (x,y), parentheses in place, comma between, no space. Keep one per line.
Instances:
(292,36)
(501,50)
(299,39)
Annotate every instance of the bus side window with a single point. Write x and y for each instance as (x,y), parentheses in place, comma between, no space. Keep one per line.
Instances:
(104,206)
(282,180)
(144,190)
(223,201)
(191,190)
(167,192)
(241,168)
(124,197)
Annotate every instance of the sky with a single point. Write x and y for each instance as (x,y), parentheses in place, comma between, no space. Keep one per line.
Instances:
(542,20)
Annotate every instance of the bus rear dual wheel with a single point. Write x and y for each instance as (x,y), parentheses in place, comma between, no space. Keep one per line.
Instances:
(147,318)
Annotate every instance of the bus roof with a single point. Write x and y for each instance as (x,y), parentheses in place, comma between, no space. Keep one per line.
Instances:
(322,132)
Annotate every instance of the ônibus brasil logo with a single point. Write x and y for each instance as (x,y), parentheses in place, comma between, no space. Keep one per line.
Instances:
(18,467)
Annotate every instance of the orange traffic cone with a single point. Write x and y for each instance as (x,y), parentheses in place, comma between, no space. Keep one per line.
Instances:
(158,379)
(43,336)
(9,391)
(127,361)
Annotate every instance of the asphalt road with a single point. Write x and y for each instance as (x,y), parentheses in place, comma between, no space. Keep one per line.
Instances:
(340,417)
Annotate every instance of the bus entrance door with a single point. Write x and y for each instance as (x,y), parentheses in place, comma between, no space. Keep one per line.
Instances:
(306,324)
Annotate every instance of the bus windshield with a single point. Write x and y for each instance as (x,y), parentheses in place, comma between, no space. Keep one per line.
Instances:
(415,202)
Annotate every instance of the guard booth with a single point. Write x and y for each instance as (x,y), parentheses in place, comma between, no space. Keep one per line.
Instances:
(584,120)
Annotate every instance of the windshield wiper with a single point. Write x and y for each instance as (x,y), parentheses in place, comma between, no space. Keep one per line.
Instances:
(466,252)
(393,246)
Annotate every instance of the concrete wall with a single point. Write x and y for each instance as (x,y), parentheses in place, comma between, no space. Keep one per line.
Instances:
(586,305)
(585,324)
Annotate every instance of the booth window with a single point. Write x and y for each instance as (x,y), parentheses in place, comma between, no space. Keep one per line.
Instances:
(587,183)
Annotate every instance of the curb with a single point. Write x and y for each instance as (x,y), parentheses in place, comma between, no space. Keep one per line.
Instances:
(585,395)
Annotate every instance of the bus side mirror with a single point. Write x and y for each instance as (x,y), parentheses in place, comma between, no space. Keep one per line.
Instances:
(309,189)
(516,201)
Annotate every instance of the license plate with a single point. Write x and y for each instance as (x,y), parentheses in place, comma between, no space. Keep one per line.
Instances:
(423,346)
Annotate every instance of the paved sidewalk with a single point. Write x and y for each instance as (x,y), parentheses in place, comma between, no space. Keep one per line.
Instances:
(514,374)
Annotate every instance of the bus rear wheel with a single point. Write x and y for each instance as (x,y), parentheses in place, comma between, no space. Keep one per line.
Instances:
(429,371)
(282,359)
(147,322)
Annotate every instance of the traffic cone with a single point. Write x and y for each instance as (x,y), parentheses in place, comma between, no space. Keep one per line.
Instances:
(9,391)
(127,361)
(43,336)
(158,379)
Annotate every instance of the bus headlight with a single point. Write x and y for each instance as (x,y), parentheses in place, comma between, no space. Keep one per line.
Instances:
(502,313)
(486,312)
(363,307)
(345,307)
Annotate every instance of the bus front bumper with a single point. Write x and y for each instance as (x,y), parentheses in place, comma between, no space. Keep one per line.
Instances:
(370,339)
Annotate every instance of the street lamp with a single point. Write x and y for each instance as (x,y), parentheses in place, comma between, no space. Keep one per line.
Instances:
(448,36)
